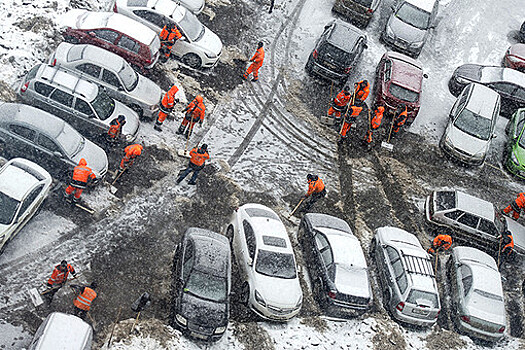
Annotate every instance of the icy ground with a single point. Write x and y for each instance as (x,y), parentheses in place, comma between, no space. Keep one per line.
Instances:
(264,138)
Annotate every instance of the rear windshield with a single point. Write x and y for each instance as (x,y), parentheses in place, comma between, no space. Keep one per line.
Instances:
(474,124)
(192,26)
(339,56)
(8,207)
(104,105)
(403,94)
(414,16)
(32,73)
(445,200)
(75,53)
(274,264)
(257,212)
(424,299)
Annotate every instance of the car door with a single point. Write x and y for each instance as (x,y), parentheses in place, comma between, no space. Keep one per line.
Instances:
(53,156)
(188,260)
(386,76)
(28,207)
(87,122)
(90,71)
(22,143)
(519,97)
(130,49)
(321,259)
(248,253)
(114,86)
(105,38)
(507,91)
(488,229)
(60,103)
(41,97)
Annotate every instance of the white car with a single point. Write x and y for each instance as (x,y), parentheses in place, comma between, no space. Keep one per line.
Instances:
(23,187)
(198,48)
(62,331)
(270,285)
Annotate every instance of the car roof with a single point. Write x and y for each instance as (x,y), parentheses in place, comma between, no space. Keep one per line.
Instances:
(319,221)
(492,74)
(212,250)
(167,8)
(401,239)
(16,179)
(475,205)
(406,71)
(103,58)
(344,35)
(482,100)
(62,329)
(426,5)
(70,82)
(35,118)
(473,255)
(347,250)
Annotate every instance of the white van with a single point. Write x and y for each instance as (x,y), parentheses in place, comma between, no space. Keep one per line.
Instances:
(62,332)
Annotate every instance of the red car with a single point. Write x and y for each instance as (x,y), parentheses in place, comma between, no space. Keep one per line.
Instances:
(136,43)
(398,80)
(515,57)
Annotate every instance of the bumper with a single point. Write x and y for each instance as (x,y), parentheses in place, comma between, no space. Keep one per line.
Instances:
(335,308)
(478,333)
(211,62)
(196,334)
(352,12)
(412,320)
(269,315)
(402,45)
(326,73)
(154,61)
(460,156)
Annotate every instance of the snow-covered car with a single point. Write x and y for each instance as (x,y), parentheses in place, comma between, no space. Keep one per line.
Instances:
(62,331)
(23,187)
(112,72)
(83,104)
(478,306)
(336,265)
(408,26)
(515,57)
(47,140)
(114,32)
(199,47)
(264,254)
(195,6)
(514,159)
(471,124)
(202,266)
(472,219)
(359,11)
(407,277)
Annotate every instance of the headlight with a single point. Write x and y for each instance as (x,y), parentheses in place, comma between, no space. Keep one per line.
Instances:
(299,303)
(462,80)
(220,330)
(390,32)
(479,155)
(259,298)
(513,59)
(210,55)
(416,44)
(514,158)
(181,319)
(447,141)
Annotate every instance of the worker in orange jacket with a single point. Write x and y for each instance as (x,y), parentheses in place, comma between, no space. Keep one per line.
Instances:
(516,206)
(349,120)
(194,114)
(441,241)
(361,90)
(375,123)
(81,175)
(198,157)
(115,128)
(131,152)
(166,106)
(257,61)
(400,117)
(58,278)
(316,191)
(85,296)
(168,35)
(339,103)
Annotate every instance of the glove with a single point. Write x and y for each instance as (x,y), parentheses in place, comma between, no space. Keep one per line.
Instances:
(184,110)
(49,285)
(74,274)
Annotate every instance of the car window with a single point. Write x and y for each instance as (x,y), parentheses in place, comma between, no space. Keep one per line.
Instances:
(250,238)
(9,207)
(32,73)
(320,241)
(520,93)
(504,88)
(30,199)
(445,200)
(469,220)
(392,253)
(128,44)
(90,69)
(151,17)
(106,35)
(388,70)
(62,97)
(103,105)
(400,275)
(110,78)
(327,256)
(488,227)
(420,298)
(83,107)
(22,131)
(43,89)
(188,260)
(454,215)
(47,143)
(466,278)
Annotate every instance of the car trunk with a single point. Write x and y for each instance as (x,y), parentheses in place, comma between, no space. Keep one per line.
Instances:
(333,58)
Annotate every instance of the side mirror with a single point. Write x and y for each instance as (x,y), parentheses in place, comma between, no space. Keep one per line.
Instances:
(425,75)
(57,154)
(92,33)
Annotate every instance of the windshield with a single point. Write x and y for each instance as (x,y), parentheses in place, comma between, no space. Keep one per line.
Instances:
(104,105)
(8,207)
(421,298)
(414,16)
(519,129)
(193,29)
(473,124)
(274,264)
(401,93)
(70,140)
(207,286)
(366,3)
(128,76)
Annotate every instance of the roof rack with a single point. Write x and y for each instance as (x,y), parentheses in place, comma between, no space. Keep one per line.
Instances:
(418,265)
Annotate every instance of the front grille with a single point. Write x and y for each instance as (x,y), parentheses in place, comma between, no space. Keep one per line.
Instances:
(200,329)
(280,311)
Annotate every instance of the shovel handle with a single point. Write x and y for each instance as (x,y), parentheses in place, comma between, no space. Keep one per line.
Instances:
(296,207)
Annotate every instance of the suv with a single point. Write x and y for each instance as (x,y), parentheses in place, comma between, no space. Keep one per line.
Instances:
(470,128)
(336,51)
(398,80)
(408,25)
(361,11)
(407,277)
(515,147)
(50,142)
(111,72)
(138,44)
(473,219)
(199,47)
(83,104)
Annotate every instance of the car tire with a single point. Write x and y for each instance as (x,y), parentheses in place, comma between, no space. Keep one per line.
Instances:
(192,60)
(245,294)
(229,233)
(372,249)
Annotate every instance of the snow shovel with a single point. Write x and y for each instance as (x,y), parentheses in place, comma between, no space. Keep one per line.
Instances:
(112,188)
(185,153)
(140,304)
(387,145)
(36,298)
(296,207)
(114,325)
(352,100)
(499,249)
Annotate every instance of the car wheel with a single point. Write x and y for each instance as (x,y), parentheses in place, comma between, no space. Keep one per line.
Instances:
(372,249)
(192,60)
(245,294)
(386,299)
(229,233)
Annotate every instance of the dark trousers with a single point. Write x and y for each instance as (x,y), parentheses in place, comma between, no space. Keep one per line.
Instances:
(187,171)
(271,6)
(80,313)
(314,197)
(49,295)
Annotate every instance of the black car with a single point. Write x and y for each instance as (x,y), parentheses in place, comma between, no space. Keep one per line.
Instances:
(336,51)
(358,11)
(336,264)
(508,83)
(202,286)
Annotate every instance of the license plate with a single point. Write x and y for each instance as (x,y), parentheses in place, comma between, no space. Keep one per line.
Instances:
(419,311)
(329,65)
(197,335)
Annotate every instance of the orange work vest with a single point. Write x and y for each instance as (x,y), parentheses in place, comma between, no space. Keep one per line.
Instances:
(84,300)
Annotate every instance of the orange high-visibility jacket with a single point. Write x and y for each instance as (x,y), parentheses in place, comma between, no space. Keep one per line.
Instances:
(378,117)
(82,172)
(342,98)
(197,157)
(520,200)
(84,299)
(444,241)
(168,101)
(510,242)
(401,118)
(114,129)
(315,186)
(196,109)
(170,35)
(58,276)
(361,93)
(133,151)
(258,57)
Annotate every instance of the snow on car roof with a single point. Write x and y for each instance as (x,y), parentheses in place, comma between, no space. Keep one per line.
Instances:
(211,253)
(319,221)
(465,254)
(397,236)
(486,279)
(168,8)
(406,71)
(475,205)
(103,57)
(64,329)
(15,182)
(44,122)
(426,5)
(345,36)
(131,28)
(347,250)
(513,76)
(70,81)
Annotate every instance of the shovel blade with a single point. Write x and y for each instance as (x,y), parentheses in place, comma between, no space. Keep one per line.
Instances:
(35,297)
(387,146)
(113,189)
(183,153)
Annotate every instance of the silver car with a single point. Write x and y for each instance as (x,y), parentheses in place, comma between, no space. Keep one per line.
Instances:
(113,73)
(478,306)
(407,277)
(470,128)
(408,25)
(77,334)
(81,103)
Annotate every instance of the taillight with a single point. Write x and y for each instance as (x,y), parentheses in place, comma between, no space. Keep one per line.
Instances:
(331,295)
(24,88)
(465,318)
(115,7)
(369,11)
(54,63)
(314,54)
(400,306)
(348,69)
(501,330)
(437,315)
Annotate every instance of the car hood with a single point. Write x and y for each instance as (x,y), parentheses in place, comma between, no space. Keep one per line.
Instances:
(95,157)
(147,91)
(71,18)
(465,142)
(132,119)
(203,312)
(352,281)
(405,31)
(469,71)
(194,6)
(518,234)
(278,292)
(482,308)
(209,42)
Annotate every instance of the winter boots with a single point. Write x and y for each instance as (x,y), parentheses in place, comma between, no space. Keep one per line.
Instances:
(157,126)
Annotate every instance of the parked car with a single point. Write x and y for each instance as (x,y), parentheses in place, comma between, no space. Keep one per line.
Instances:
(360,11)
(522,33)
(471,124)
(399,79)
(336,265)
(195,6)
(113,73)
(472,219)
(48,141)
(117,33)
(23,187)
(62,331)
(407,28)
(83,104)
(515,57)
(508,83)
(202,287)
(270,285)
(515,147)
(337,51)
(478,306)
(199,47)
(407,277)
